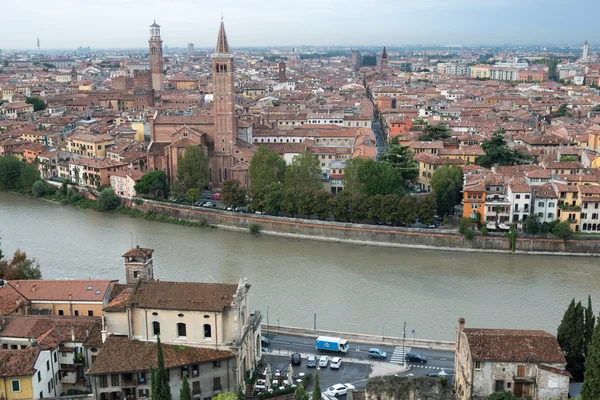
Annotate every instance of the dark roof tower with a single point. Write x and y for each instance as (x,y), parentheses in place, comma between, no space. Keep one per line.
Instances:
(222,43)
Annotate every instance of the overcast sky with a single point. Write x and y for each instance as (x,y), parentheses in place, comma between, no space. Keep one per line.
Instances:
(124,23)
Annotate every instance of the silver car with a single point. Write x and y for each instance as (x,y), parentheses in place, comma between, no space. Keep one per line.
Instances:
(323,361)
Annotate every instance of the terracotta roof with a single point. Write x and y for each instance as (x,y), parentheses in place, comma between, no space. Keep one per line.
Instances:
(17,362)
(10,300)
(138,252)
(77,290)
(513,345)
(119,354)
(38,326)
(119,298)
(183,295)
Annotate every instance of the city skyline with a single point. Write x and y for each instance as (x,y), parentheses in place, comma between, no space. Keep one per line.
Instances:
(312,23)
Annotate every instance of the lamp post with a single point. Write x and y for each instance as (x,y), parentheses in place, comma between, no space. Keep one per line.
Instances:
(403,349)
(267,322)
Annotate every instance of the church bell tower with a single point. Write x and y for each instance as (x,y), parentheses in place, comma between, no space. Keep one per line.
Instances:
(139,265)
(224,109)
(156,57)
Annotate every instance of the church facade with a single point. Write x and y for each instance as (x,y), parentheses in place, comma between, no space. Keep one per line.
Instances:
(216,132)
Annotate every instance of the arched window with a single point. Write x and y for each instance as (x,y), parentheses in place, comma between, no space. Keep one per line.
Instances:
(181,330)
(225,173)
(156,328)
(207,331)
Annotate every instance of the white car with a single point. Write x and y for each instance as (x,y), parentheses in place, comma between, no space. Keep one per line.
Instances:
(335,363)
(339,389)
(323,361)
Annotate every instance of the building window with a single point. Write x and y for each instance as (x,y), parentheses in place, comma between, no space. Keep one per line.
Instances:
(477,364)
(90,313)
(207,331)
(47,365)
(39,374)
(156,328)
(499,386)
(181,330)
(103,381)
(61,312)
(55,356)
(76,313)
(216,383)
(195,387)
(114,380)
(521,371)
(217,364)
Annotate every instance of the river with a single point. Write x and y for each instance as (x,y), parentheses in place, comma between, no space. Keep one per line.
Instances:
(350,288)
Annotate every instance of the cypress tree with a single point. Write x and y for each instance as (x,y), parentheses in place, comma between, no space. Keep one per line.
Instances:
(185,393)
(162,375)
(317,388)
(591,383)
(154,383)
(590,323)
(571,338)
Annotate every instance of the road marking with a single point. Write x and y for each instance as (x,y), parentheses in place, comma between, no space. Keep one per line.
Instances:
(398,355)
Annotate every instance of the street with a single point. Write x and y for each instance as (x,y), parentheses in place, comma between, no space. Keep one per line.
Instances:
(437,360)
(379,139)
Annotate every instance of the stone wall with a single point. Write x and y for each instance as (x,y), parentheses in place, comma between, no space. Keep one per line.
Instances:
(407,388)
(368,234)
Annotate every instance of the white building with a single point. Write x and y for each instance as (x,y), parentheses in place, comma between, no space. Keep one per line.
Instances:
(519,196)
(545,203)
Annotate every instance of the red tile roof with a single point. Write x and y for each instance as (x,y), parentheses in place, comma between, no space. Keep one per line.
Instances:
(506,345)
(119,354)
(60,290)
(17,362)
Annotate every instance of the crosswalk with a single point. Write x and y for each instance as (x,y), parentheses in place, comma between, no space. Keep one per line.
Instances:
(398,354)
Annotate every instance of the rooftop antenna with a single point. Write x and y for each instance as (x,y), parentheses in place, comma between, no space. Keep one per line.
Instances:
(137,242)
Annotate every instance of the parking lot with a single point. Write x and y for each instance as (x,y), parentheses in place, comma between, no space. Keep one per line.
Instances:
(354,373)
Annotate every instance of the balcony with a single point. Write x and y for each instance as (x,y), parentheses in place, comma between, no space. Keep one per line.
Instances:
(128,384)
(196,392)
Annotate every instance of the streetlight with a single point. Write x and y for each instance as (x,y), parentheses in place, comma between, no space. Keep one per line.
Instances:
(267,321)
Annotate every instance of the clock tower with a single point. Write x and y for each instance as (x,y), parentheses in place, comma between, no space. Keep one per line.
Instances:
(156,58)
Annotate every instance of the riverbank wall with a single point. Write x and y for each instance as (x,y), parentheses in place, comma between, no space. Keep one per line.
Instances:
(362,234)
(359,338)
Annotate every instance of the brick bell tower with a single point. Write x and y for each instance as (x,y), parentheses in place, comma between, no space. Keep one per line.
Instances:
(139,264)
(224,110)
(156,57)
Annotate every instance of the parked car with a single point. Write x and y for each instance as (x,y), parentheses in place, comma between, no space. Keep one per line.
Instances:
(216,196)
(438,218)
(295,359)
(323,361)
(339,389)
(377,353)
(311,361)
(335,363)
(265,341)
(438,374)
(210,204)
(206,196)
(416,357)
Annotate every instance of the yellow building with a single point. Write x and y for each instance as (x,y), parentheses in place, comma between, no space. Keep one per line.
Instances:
(138,127)
(83,298)
(428,164)
(86,86)
(89,145)
(480,71)
(468,154)
(184,83)
(569,205)
(17,370)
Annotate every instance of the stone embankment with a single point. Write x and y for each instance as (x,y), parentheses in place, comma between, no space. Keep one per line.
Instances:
(374,235)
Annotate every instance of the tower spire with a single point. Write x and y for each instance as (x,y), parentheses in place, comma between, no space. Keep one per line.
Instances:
(222,43)
(384,54)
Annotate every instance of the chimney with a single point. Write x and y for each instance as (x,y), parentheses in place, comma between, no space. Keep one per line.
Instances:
(70,296)
(72,333)
(103,336)
(18,284)
(34,287)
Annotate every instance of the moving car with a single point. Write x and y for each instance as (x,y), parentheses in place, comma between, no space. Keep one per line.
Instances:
(216,196)
(416,357)
(311,361)
(332,344)
(323,361)
(377,353)
(339,389)
(335,363)
(295,359)
(265,341)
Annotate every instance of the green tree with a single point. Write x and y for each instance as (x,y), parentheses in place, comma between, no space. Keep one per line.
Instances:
(29,175)
(300,393)
(447,186)
(359,207)
(274,197)
(163,390)
(506,395)
(426,209)
(153,383)
(154,182)
(38,189)
(185,393)
(304,173)
(588,329)
(339,205)
(305,201)
(371,178)
(533,225)
(192,168)
(375,213)
(176,190)
(266,168)
(317,388)
(241,394)
(38,104)
(435,132)
(192,195)
(64,187)
(409,209)
(226,396)
(10,173)
(107,200)
(233,194)
(591,381)
(20,267)
(562,230)
(497,152)
(290,202)
(562,111)
(570,337)
(321,207)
